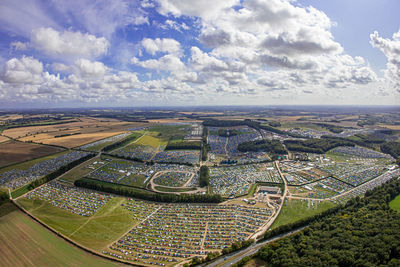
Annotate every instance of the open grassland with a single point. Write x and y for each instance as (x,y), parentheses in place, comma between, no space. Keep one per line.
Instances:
(78,171)
(395,203)
(294,210)
(24,242)
(94,232)
(148,140)
(14,152)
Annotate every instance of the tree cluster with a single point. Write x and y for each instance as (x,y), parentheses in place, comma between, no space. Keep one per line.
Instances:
(227,132)
(314,145)
(183,145)
(364,233)
(272,146)
(204,178)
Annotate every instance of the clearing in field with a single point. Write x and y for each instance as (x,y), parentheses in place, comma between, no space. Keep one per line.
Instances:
(14,152)
(395,203)
(294,210)
(25,242)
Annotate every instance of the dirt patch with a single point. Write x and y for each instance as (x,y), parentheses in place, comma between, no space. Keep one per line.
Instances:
(14,152)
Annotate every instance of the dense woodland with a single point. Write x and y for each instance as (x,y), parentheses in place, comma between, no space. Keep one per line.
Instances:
(271,146)
(314,145)
(204,178)
(392,148)
(185,145)
(227,133)
(365,232)
(130,191)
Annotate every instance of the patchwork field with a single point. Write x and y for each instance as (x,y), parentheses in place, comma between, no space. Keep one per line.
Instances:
(25,242)
(14,152)
(72,134)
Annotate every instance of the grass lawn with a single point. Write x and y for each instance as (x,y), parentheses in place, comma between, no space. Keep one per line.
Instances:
(148,140)
(95,232)
(295,210)
(79,172)
(167,189)
(395,203)
(24,242)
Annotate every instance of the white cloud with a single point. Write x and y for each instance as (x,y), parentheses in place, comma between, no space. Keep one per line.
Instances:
(164,45)
(24,70)
(391,49)
(19,46)
(86,68)
(68,43)
(166,63)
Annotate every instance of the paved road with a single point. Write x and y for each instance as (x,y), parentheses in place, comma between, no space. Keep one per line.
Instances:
(237,256)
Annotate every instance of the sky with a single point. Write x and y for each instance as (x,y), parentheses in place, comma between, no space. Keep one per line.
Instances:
(86,53)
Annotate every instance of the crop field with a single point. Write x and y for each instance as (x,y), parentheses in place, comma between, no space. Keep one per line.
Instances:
(71,134)
(14,152)
(294,210)
(3,139)
(236,180)
(24,242)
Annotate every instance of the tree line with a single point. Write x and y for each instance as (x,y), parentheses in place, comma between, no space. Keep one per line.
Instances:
(272,146)
(121,143)
(314,145)
(204,177)
(47,178)
(129,191)
(194,145)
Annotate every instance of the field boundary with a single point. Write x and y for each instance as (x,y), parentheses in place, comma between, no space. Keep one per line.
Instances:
(93,252)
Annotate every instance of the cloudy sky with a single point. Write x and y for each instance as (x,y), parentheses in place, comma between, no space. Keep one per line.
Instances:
(60,53)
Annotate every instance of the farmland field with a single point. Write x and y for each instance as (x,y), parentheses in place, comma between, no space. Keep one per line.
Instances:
(72,134)
(14,152)
(30,244)
(3,139)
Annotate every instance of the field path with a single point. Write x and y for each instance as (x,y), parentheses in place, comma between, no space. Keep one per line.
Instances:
(116,205)
(204,237)
(136,224)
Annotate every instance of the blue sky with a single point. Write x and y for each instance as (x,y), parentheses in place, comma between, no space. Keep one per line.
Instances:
(173,52)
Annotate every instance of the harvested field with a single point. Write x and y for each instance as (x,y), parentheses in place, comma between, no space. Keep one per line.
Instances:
(84,125)
(391,127)
(24,242)
(72,134)
(14,152)
(3,139)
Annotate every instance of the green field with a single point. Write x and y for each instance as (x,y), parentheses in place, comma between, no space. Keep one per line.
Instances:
(395,203)
(295,210)
(167,189)
(148,140)
(79,171)
(95,232)
(24,242)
